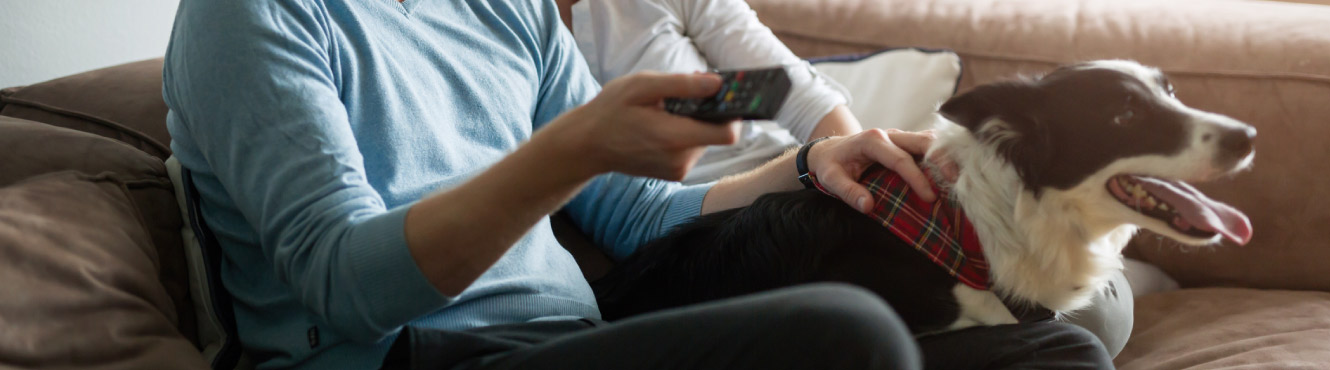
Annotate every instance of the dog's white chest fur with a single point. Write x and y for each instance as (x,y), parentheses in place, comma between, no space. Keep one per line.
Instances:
(1042,252)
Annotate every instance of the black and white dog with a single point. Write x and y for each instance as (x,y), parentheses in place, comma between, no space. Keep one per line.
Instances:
(1055,174)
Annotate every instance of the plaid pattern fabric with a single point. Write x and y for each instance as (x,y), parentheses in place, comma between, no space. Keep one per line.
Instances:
(940,229)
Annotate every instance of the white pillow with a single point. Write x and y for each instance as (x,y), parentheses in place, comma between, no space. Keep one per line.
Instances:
(895,88)
(1145,278)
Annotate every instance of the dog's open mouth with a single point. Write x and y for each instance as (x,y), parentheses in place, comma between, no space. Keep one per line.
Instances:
(1181,206)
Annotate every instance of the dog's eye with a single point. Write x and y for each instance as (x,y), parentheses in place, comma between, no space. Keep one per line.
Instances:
(1168,87)
(1125,116)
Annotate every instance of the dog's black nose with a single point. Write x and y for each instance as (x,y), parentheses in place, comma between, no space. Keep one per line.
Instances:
(1236,143)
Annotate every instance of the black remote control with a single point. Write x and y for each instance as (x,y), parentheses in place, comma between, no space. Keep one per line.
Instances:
(754,94)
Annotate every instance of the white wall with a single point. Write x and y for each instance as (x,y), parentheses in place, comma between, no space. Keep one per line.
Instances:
(44,39)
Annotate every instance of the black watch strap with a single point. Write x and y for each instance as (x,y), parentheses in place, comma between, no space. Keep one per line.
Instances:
(801,163)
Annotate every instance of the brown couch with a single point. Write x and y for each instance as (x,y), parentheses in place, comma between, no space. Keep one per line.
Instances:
(95,276)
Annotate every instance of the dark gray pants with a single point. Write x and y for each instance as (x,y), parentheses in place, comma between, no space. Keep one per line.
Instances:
(821,326)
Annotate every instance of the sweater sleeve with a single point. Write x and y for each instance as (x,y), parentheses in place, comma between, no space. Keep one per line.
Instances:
(623,212)
(256,106)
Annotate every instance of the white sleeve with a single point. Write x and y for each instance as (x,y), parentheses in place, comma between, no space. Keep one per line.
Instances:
(620,37)
(730,36)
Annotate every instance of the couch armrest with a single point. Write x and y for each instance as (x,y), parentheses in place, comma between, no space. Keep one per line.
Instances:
(1265,63)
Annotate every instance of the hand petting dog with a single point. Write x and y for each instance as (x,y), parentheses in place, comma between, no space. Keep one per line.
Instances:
(839,161)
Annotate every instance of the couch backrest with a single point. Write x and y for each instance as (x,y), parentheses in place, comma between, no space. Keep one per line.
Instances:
(122,102)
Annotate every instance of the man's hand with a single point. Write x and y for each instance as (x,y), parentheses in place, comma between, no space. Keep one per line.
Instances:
(839,161)
(626,129)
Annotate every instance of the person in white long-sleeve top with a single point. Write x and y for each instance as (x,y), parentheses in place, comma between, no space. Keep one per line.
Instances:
(620,37)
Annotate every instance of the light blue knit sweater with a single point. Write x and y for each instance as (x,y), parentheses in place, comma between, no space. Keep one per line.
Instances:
(312,126)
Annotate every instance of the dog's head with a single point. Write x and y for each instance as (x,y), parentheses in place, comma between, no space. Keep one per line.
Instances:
(1112,134)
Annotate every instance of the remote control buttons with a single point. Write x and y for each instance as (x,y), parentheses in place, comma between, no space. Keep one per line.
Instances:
(752,95)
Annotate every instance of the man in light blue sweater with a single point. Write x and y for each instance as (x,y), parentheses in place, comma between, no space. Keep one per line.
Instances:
(380,172)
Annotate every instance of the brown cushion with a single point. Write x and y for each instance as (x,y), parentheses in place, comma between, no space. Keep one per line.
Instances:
(122,102)
(1215,328)
(80,275)
(29,149)
(1265,63)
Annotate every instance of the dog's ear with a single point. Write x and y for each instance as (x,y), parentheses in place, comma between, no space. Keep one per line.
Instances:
(1003,100)
(1016,129)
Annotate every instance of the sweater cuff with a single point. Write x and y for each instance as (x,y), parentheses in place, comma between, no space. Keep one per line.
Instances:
(684,205)
(387,276)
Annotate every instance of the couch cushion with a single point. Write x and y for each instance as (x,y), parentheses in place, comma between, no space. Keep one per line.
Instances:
(80,273)
(121,102)
(1217,328)
(29,149)
(1265,63)
(897,88)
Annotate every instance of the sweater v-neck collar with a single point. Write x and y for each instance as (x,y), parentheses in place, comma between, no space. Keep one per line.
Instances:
(405,6)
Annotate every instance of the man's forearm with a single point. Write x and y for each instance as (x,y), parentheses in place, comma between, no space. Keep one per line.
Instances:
(456,235)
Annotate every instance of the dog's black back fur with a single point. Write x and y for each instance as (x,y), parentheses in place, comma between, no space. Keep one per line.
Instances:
(782,239)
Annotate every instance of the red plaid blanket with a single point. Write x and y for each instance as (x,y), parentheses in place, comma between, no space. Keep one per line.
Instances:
(940,229)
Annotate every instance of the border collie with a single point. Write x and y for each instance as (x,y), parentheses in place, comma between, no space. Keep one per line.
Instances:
(1053,175)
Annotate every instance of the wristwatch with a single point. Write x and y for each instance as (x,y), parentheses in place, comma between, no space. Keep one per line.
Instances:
(801,162)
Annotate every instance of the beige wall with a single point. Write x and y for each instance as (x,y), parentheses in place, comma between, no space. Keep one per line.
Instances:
(44,39)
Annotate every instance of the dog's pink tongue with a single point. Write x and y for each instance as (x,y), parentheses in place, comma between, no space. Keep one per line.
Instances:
(1199,210)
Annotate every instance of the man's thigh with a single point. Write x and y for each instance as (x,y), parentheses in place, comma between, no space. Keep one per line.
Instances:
(822,326)
(1040,345)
